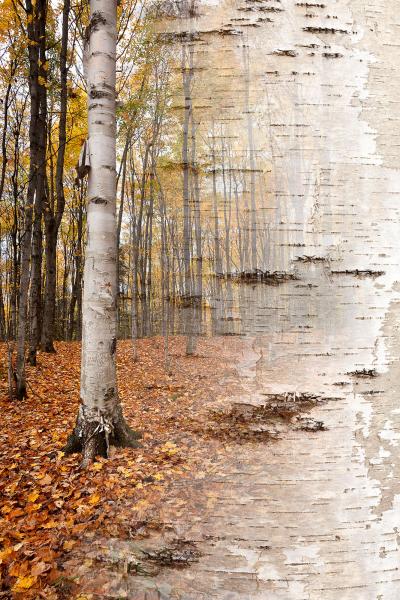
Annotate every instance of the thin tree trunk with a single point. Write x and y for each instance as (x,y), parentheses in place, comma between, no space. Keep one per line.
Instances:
(53,218)
(136,242)
(14,240)
(119,225)
(5,129)
(187,79)
(198,274)
(2,309)
(217,241)
(33,10)
(76,292)
(35,299)
(253,224)
(238,225)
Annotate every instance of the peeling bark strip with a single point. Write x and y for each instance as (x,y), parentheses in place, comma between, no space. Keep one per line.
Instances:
(100,422)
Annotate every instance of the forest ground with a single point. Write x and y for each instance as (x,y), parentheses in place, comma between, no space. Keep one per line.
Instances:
(49,506)
(262,474)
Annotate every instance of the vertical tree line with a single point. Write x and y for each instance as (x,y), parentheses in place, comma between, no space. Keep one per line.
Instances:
(183,220)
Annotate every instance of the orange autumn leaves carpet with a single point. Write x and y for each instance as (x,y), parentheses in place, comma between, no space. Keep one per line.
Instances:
(48,502)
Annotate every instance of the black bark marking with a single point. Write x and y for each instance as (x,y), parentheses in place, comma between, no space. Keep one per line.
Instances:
(332,55)
(98,94)
(98,200)
(310,5)
(325,30)
(97,19)
(110,394)
(291,53)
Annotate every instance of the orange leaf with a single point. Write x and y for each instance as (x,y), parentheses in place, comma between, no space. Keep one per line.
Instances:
(49,525)
(39,568)
(33,496)
(69,544)
(4,554)
(94,499)
(97,466)
(24,583)
(17,512)
(46,480)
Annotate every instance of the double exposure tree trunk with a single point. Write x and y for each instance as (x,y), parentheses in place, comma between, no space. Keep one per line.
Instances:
(187,237)
(100,422)
(252,162)
(217,241)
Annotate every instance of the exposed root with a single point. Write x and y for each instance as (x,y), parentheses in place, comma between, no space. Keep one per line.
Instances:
(145,560)
(73,445)
(95,432)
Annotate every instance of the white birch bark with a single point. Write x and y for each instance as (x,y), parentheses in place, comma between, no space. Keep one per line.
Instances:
(100,422)
(98,376)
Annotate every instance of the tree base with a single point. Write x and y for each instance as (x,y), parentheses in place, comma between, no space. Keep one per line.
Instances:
(48,347)
(190,345)
(94,434)
(31,358)
(21,392)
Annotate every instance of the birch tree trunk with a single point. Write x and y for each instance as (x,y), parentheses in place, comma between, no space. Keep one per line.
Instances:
(100,422)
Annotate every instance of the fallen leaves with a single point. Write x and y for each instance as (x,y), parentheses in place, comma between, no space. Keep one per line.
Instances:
(44,479)
(48,505)
(33,496)
(24,583)
(94,499)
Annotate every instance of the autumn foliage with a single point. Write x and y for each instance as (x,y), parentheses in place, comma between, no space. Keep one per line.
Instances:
(48,504)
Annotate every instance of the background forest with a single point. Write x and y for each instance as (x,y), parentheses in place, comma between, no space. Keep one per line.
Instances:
(183,208)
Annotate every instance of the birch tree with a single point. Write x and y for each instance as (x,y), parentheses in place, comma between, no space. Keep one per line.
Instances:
(100,422)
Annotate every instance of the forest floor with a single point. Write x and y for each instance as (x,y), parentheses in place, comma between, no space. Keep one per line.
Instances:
(262,475)
(49,506)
